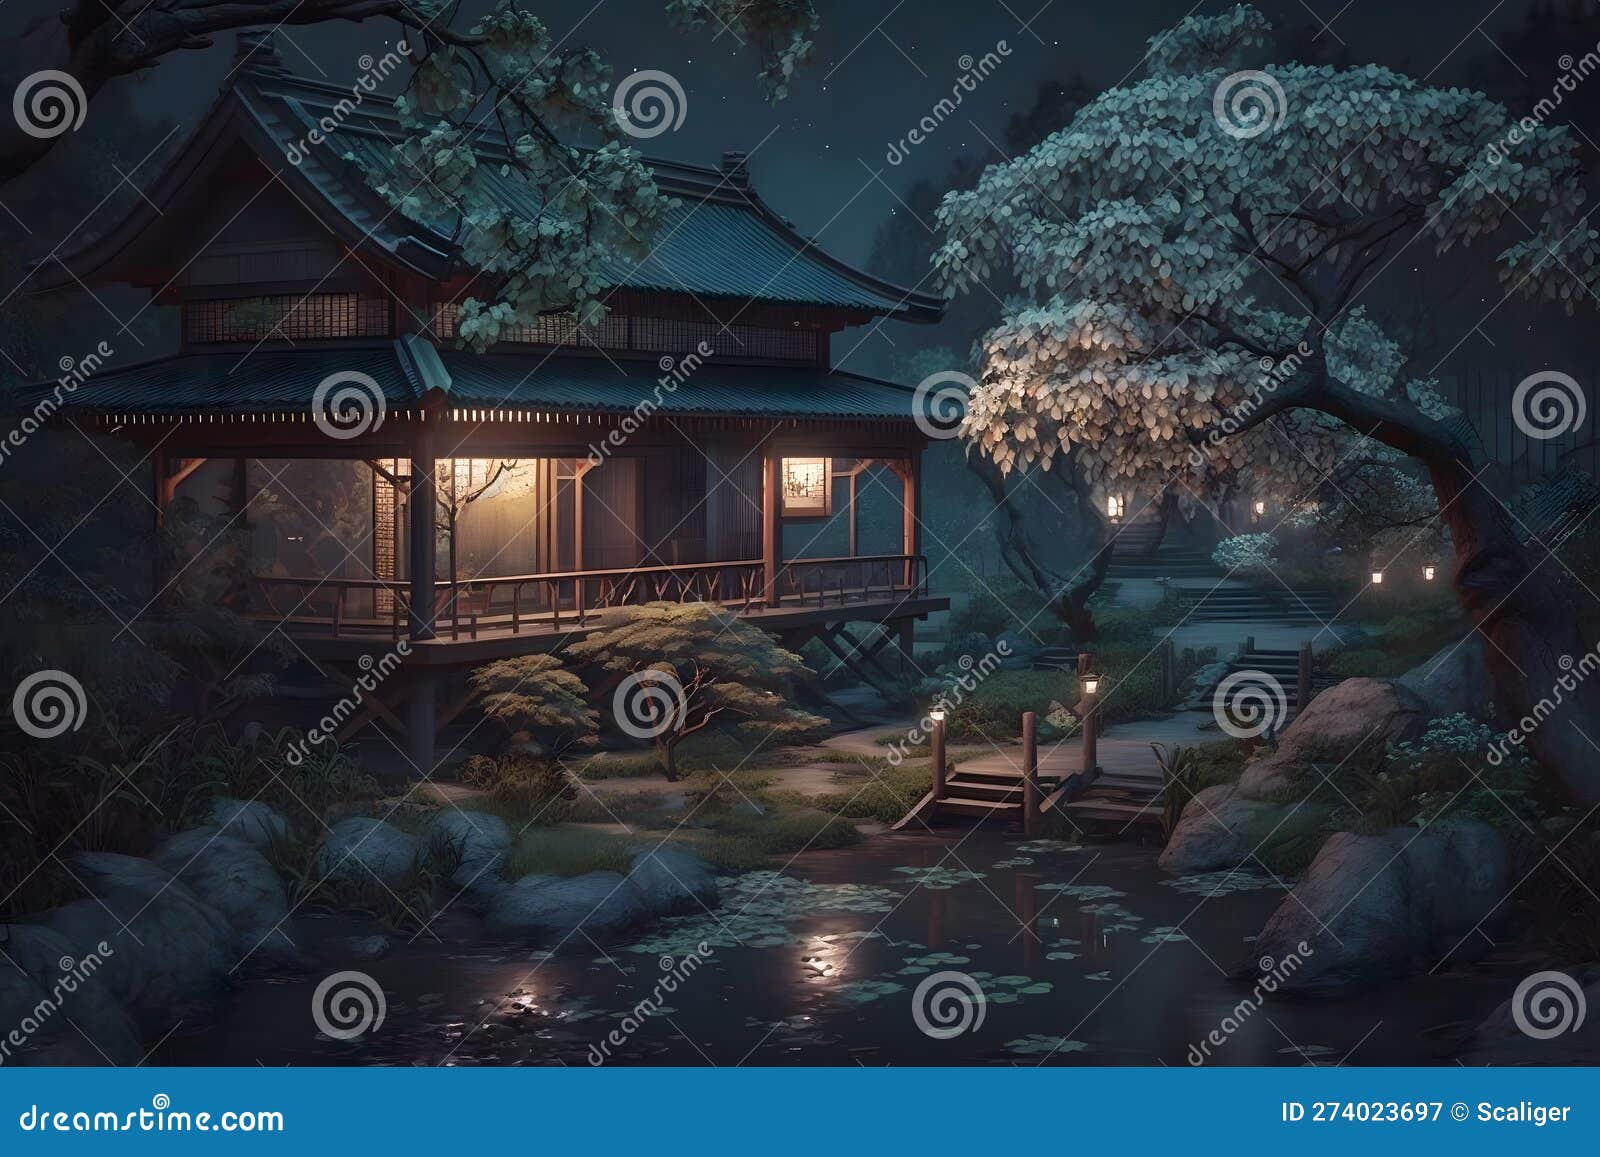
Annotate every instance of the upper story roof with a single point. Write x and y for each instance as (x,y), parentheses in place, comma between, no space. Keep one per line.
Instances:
(722,241)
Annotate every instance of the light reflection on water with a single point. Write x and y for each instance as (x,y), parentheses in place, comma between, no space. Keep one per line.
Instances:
(1085,955)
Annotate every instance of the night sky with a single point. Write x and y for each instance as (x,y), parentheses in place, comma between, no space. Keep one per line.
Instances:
(879,66)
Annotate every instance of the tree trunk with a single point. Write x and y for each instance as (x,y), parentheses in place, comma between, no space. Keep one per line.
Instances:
(669,761)
(1067,600)
(1516,599)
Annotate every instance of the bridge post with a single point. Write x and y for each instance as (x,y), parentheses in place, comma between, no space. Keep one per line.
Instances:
(1030,775)
(936,750)
(1169,671)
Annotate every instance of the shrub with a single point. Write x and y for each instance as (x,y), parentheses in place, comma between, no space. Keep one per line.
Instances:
(1247,554)
(522,786)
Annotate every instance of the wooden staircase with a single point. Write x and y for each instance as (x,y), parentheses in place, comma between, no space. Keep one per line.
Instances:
(988,795)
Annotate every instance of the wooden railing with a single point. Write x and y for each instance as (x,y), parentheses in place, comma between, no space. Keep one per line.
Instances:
(555,600)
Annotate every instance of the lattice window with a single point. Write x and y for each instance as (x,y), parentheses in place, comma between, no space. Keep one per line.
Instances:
(285,317)
(654,335)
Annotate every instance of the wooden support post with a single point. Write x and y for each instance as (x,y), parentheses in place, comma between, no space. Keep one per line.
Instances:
(1302,691)
(1169,671)
(911,513)
(1247,646)
(936,746)
(772,526)
(424,540)
(906,641)
(1091,733)
(1030,775)
(422,723)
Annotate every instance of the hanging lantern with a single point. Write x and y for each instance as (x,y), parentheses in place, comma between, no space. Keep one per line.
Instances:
(1427,574)
(1377,578)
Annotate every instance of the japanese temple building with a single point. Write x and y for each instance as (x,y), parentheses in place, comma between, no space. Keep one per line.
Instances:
(492,504)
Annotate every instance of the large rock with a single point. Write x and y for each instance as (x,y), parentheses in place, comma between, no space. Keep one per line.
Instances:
(672,880)
(1343,731)
(549,909)
(361,848)
(1219,828)
(1545,1001)
(1455,681)
(171,953)
(480,836)
(250,820)
(55,998)
(484,841)
(1376,908)
(235,879)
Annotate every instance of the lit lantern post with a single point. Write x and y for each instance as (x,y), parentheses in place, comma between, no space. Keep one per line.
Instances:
(1427,574)
(1377,578)
(1114,507)
(936,744)
(1090,686)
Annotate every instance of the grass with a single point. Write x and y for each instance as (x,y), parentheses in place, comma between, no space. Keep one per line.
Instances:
(885,796)
(741,841)
(567,852)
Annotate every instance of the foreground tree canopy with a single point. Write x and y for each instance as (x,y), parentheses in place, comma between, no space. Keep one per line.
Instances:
(1196,250)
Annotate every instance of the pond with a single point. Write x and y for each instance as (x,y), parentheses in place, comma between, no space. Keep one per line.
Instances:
(1084,953)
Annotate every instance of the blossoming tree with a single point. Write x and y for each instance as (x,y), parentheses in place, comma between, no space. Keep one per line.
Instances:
(1196,250)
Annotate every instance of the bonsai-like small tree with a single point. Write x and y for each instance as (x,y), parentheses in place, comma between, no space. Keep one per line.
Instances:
(686,664)
(536,695)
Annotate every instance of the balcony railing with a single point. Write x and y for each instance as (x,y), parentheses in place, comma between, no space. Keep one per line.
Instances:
(561,600)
